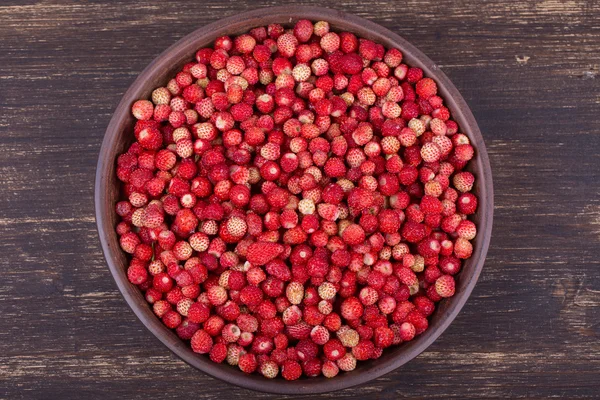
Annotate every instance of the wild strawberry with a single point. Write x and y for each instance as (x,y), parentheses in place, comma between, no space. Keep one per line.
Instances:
(413,232)
(160,96)
(295,292)
(327,291)
(463,181)
(137,274)
(303,30)
(360,199)
(186,329)
(467,203)
(383,337)
(129,241)
(247,323)
(201,342)
(231,333)
(287,44)
(150,138)
(363,350)
(142,110)
(319,335)
(218,353)
(329,369)
(407,331)
(291,370)
(353,234)
(389,222)
(312,168)
(444,286)
(217,295)
(171,319)
(247,363)
(161,307)
(430,152)
(452,126)
(442,113)
(393,58)
(466,230)
(236,227)
(251,295)
(183,305)
(332,321)
(198,313)
(245,44)
(269,369)
(334,350)
(347,362)
(463,152)
(463,248)
(426,88)
(351,308)
(330,42)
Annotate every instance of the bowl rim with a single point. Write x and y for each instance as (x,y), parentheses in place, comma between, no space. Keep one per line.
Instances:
(239,23)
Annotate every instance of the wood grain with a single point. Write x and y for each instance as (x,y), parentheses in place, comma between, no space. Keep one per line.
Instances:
(529,71)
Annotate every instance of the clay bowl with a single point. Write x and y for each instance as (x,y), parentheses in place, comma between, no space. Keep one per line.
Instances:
(119,135)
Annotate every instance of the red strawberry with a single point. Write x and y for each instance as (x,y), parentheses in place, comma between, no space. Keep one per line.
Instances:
(201,342)
(359,199)
(367,49)
(353,234)
(150,138)
(328,212)
(426,88)
(247,363)
(251,295)
(299,331)
(463,181)
(407,331)
(260,253)
(467,203)
(330,42)
(351,308)
(418,320)
(198,313)
(383,337)
(351,63)
(291,370)
(185,223)
(364,350)
(389,222)
(286,44)
(142,110)
(218,353)
(413,232)
(303,30)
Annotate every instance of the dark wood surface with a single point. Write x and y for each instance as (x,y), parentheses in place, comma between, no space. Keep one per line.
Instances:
(530,72)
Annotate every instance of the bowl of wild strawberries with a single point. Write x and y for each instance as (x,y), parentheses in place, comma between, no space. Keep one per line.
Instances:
(294,200)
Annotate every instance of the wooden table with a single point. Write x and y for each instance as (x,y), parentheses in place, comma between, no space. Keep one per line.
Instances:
(530,72)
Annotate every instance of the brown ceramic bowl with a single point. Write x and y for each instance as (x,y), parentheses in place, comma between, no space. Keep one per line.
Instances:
(119,135)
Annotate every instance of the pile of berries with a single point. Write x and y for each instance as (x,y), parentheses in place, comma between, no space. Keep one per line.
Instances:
(296,200)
